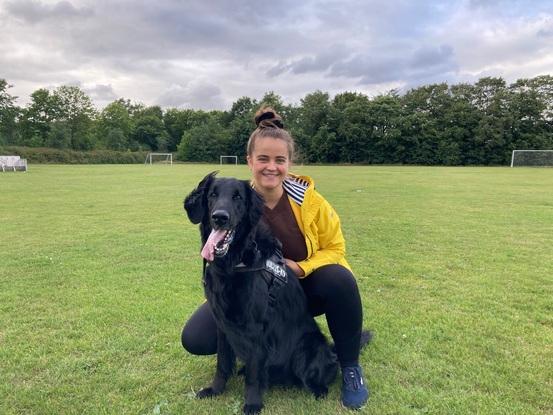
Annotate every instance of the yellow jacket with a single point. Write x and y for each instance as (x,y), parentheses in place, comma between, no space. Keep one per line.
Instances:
(318,222)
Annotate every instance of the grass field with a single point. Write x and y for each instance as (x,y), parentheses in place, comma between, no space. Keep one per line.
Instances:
(99,269)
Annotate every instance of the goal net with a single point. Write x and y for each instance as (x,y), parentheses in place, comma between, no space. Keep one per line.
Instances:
(532,158)
(161,158)
(228,160)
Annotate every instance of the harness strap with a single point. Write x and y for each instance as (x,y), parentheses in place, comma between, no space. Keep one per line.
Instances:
(273,271)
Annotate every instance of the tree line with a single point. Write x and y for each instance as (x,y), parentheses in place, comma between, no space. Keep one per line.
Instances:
(437,124)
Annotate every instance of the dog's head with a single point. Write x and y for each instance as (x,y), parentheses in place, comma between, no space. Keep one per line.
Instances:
(228,210)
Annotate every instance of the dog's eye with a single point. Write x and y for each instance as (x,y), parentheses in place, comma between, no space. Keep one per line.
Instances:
(212,194)
(237,196)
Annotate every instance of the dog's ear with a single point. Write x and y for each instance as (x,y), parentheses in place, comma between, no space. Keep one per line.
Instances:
(255,204)
(195,203)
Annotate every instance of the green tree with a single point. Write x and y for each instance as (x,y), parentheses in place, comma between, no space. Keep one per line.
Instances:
(36,119)
(312,129)
(59,136)
(149,130)
(323,146)
(205,142)
(273,100)
(531,108)
(288,113)
(178,121)
(114,127)
(384,114)
(73,109)
(336,131)
(493,135)
(543,85)
(462,121)
(353,130)
(425,109)
(240,126)
(8,114)
(314,112)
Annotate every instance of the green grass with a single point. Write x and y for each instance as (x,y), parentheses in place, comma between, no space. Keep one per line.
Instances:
(99,269)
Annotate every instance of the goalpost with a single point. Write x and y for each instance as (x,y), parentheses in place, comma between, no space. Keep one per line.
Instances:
(235,158)
(164,158)
(532,158)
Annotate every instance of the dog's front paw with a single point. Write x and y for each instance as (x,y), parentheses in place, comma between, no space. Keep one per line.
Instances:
(252,409)
(208,392)
(319,392)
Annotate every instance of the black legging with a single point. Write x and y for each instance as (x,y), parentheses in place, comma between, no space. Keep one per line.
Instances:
(330,290)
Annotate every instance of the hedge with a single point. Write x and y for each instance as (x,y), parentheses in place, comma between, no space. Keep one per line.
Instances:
(63,156)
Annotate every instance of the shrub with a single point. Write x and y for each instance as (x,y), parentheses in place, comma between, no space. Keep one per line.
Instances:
(41,155)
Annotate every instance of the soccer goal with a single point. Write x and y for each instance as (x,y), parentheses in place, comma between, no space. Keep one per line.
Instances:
(228,160)
(532,158)
(163,158)
(13,163)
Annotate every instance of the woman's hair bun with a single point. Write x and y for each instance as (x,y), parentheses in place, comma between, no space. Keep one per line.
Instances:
(268,118)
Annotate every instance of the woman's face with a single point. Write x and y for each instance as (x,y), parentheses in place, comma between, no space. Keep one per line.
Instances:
(269,163)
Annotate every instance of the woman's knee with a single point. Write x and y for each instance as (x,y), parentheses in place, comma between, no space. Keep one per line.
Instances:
(199,334)
(187,340)
(336,279)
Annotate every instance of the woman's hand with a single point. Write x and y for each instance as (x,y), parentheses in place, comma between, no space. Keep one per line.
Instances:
(293,265)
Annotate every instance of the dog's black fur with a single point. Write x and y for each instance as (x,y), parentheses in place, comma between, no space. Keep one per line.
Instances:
(279,342)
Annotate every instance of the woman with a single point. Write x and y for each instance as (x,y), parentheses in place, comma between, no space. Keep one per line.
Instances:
(313,247)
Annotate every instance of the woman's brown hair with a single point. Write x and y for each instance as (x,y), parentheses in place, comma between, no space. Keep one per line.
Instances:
(269,124)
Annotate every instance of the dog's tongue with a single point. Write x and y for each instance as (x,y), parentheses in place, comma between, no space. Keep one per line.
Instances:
(208,251)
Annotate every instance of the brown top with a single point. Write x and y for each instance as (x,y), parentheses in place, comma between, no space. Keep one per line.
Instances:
(283,223)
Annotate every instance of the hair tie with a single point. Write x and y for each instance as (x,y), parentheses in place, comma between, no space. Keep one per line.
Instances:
(272,120)
(265,116)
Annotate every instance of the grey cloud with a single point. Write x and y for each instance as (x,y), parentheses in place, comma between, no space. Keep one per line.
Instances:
(427,56)
(33,11)
(371,69)
(174,97)
(429,64)
(377,67)
(206,96)
(40,69)
(101,92)
(381,21)
(197,95)
(201,53)
(278,69)
(309,64)
(505,9)
(173,30)
(475,4)
(546,31)
(320,62)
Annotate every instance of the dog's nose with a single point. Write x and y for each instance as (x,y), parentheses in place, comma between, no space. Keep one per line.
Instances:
(220,217)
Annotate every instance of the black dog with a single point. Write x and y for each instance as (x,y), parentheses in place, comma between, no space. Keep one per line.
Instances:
(260,310)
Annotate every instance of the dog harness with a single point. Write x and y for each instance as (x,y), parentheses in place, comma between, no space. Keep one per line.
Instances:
(273,271)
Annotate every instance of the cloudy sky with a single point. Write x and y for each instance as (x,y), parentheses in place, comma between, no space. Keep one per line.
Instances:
(208,53)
